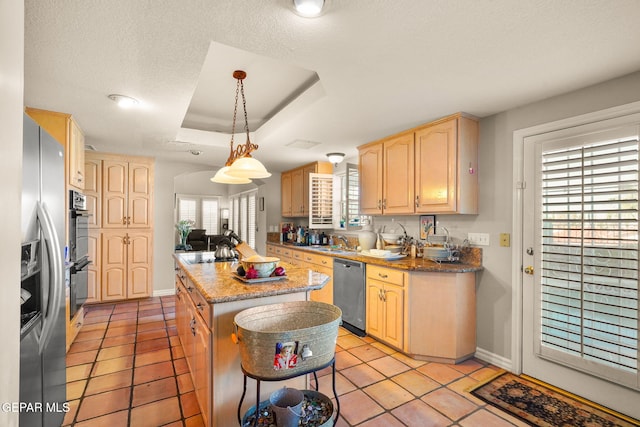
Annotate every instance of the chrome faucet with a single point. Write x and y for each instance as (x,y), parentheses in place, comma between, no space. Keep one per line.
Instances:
(344,239)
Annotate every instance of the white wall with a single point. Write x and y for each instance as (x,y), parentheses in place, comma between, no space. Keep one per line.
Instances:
(11,113)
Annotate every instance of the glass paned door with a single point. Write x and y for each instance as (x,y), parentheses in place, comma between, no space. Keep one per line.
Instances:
(580,278)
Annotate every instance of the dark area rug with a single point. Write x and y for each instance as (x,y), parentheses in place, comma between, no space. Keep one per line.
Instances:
(538,405)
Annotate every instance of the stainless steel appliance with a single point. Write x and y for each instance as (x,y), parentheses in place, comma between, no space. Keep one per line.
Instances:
(78,250)
(349,293)
(42,335)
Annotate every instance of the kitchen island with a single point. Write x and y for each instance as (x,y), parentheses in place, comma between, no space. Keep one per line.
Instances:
(208,297)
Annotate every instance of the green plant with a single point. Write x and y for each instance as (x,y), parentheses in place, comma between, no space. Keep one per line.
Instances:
(184,227)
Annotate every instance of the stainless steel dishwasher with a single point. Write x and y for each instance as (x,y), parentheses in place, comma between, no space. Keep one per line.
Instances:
(349,293)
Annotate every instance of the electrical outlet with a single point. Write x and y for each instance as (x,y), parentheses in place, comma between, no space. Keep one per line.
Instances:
(505,240)
(478,239)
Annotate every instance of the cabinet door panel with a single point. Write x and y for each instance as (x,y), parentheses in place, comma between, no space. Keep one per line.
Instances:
(76,155)
(374,310)
(93,190)
(370,175)
(436,168)
(114,189)
(394,315)
(202,362)
(139,196)
(305,187)
(114,266)
(297,192)
(139,265)
(326,293)
(398,181)
(285,190)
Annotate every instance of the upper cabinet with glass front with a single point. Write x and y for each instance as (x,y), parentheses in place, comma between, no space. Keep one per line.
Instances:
(432,168)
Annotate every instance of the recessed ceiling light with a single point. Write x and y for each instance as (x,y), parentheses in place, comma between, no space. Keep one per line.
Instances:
(123,101)
(196,152)
(308,8)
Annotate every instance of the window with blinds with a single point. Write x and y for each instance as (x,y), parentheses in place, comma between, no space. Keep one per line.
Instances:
(589,274)
(210,216)
(243,216)
(187,210)
(323,189)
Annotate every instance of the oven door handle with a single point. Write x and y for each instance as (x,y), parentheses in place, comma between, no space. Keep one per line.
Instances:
(76,213)
(80,266)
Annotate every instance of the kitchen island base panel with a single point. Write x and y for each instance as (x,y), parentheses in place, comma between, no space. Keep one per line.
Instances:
(227,372)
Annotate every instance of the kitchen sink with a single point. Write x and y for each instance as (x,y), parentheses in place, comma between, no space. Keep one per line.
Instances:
(328,249)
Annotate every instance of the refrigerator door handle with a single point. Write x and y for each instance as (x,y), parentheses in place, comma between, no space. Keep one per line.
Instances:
(56,264)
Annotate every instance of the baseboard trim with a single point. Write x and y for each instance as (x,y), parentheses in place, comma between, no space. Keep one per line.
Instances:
(494,359)
(164,292)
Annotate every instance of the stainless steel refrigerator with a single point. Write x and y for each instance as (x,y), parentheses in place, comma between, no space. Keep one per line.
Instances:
(42,337)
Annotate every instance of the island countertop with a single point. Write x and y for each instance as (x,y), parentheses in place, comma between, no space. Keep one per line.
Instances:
(217,284)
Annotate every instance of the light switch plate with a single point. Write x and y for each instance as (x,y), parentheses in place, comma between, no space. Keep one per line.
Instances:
(478,239)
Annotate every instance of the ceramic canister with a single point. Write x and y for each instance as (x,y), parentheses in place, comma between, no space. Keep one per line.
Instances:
(367,238)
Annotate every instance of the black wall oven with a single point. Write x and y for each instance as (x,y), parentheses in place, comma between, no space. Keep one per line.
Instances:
(78,250)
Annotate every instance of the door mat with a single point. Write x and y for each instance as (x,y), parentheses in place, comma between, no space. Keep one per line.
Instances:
(540,405)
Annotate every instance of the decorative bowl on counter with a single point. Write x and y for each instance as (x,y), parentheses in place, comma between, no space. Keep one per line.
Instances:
(391,238)
(264,265)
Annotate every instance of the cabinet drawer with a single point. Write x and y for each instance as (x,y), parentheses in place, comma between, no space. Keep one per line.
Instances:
(396,277)
(298,255)
(201,304)
(319,260)
(283,252)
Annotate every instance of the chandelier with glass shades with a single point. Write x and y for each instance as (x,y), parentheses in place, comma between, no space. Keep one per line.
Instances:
(240,167)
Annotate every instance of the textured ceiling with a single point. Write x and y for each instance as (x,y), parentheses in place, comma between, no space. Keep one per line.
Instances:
(383,66)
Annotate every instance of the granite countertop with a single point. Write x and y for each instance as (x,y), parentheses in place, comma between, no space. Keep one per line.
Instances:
(217,284)
(470,260)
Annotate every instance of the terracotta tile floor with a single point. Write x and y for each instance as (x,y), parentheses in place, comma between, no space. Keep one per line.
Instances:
(126,368)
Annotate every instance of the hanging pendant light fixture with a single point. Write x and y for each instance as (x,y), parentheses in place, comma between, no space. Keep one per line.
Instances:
(240,167)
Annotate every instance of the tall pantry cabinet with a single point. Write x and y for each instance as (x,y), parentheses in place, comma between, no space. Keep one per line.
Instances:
(119,192)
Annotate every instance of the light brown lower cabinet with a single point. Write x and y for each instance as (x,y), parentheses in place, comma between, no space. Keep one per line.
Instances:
(442,316)
(196,338)
(386,305)
(126,264)
(320,264)
(427,315)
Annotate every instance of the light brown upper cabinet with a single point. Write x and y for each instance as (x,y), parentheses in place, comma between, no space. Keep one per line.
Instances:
(428,169)
(126,194)
(294,185)
(446,167)
(66,131)
(387,175)
(93,189)
(285,194)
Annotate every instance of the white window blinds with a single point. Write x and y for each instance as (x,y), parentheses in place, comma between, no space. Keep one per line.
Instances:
(210,215)
(187,210)
(251,220)
(243,216)
(589,219)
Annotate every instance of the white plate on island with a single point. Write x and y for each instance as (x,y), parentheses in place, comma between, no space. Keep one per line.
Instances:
(259,279)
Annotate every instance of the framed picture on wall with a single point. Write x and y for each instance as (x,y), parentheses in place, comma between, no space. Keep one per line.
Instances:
(426,223)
